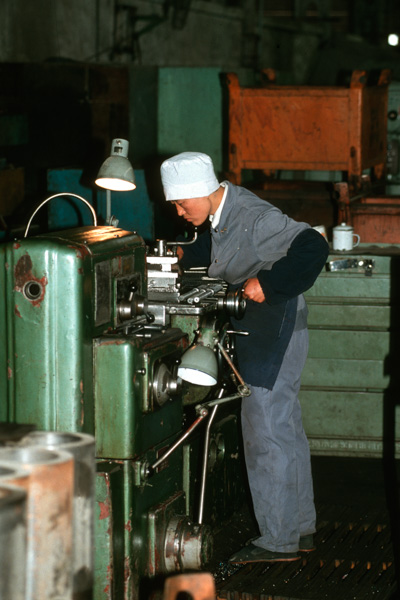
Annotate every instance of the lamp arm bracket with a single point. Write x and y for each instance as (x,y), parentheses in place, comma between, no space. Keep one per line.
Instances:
(194,238)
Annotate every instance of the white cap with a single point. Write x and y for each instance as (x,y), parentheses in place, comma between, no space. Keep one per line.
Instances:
(188,175)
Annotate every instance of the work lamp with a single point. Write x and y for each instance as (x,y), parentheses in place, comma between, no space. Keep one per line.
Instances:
(116,174)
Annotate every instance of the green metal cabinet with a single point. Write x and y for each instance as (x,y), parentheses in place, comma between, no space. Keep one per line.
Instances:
(350,383)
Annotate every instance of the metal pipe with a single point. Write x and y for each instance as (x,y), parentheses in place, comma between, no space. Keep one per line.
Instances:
(82,448)
(56,196)
(192,292)
(49,520)
(205,462)
(223,400)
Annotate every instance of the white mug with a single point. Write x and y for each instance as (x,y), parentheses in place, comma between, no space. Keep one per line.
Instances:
(344,237)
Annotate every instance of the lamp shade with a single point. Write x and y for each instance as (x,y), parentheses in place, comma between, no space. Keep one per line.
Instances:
(199,365)
(116,172)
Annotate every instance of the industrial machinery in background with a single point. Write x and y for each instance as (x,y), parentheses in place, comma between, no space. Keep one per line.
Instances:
(309,128)
(102,336)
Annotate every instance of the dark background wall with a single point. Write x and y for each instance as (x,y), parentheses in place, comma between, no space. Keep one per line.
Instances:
(74,75)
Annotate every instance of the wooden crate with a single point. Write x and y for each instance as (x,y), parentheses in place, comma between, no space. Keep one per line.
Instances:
(308,128)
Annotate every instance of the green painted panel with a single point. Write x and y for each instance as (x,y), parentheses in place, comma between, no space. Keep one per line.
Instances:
(189,112)
(355,286)
(351,315)
(348,414)
(125,503)
(44,338)
(140,502)
(109,480)
(354,322)
(58,294)
(360,345)
(344,373)
(124,368)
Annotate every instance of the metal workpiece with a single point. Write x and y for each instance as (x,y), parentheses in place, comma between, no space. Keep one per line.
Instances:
(82,448)
(13,501)
(48,561)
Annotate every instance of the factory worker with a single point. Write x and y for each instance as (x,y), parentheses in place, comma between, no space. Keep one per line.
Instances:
(252,245)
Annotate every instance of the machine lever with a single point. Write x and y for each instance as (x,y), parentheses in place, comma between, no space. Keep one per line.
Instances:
(203,412)
(162,245)
(242,388)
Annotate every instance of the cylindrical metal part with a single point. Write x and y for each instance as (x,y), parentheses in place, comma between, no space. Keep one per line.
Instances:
(12,542)
(49,520)
(82,448)
(187,545)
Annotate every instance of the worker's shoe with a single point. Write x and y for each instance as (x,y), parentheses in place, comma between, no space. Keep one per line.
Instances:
(251,553)
(306,543)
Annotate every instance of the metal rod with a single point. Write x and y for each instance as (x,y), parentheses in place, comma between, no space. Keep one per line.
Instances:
(223,400)
(205,459)
(203,414)
(186,295)
(230,363)
(108,206)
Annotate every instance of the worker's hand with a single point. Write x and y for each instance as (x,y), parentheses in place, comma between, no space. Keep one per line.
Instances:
(252,290)
(179,252)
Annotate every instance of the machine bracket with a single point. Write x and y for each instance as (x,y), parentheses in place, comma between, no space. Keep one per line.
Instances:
(367,265)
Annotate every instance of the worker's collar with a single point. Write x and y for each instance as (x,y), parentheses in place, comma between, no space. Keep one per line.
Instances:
(217,215)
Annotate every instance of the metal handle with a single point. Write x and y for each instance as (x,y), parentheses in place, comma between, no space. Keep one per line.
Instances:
(56,196)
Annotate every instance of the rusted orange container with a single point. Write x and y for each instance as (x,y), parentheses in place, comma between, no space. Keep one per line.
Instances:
(308,128)
(50,486)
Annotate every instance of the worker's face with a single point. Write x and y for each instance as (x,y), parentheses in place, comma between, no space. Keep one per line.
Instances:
(194,210)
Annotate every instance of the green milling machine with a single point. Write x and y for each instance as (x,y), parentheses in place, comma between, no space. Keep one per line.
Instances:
(94,327)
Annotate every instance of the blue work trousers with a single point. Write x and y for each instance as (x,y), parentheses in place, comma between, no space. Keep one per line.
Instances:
(277,455)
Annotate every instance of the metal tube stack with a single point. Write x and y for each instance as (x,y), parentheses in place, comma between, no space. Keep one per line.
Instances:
(49,487)
(82,448)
